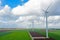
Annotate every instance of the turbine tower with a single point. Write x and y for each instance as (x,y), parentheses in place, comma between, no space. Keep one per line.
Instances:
(46,15)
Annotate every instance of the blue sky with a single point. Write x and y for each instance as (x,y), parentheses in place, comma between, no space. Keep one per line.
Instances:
(12,13)
(13,3)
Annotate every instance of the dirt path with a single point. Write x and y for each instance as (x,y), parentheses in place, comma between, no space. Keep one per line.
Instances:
(4,30)
(37,36)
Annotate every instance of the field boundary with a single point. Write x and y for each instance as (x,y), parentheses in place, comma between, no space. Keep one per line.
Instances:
(30,35)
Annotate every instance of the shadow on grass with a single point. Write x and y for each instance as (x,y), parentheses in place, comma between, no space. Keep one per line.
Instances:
(4,33)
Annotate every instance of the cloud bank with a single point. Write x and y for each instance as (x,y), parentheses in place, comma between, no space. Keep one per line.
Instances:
(15,16)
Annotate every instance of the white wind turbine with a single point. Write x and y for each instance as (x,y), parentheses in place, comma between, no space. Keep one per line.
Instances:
(46,15)
(32,21)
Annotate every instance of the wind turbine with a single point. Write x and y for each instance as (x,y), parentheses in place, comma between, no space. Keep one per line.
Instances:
(33,21)
(32,24)
(46,15)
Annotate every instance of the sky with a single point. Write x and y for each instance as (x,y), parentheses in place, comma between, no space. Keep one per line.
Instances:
(21,13)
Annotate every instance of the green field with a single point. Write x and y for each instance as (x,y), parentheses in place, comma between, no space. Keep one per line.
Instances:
(24,34)
(55,34)
(15,35)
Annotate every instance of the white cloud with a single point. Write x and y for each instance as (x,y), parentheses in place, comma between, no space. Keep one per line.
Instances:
(32,6)
(53,22)
(19,10)
(5,10)
(54,19)
(25,18)
(46,3)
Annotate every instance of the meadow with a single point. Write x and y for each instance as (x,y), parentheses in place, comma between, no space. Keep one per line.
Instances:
(15,35)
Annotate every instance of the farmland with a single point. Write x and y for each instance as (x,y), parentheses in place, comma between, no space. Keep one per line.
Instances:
(55,34)
(15,35)
(24,34)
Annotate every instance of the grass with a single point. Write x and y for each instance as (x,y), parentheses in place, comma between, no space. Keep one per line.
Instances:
(15,35)
(24,34)
(55,34)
